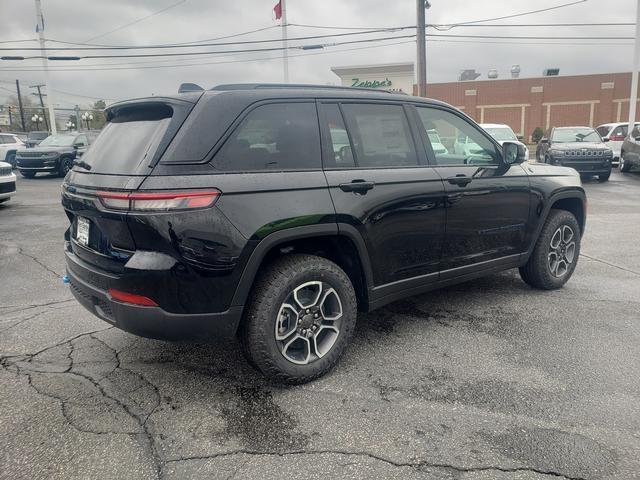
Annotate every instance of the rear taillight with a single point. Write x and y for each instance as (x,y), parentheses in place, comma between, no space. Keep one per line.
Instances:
(158,201)
(616,138)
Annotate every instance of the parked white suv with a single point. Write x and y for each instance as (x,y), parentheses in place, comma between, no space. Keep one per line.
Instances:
(7,182)
(9,143)
(503,133)
(614,133)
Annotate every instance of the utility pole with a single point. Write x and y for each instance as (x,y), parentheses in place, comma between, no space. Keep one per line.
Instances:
(285,43)
(633,99)
(24,128)
(421,39)
(41,103)
(45,65)
(78,121)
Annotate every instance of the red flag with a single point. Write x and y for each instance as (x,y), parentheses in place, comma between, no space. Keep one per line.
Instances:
(278,10)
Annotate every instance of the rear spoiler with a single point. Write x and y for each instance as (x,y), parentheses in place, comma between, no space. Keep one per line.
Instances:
(189,87)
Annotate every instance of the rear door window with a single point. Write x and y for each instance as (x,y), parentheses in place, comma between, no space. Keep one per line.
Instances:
(380,135)
(129,141)
(275,136)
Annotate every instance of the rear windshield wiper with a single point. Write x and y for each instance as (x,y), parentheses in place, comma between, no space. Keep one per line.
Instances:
(81,164)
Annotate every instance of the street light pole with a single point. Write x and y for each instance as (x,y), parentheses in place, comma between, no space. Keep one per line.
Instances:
(45,65)
(421,39)
(633,98)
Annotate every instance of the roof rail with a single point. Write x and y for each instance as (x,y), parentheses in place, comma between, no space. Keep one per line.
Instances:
(255,86)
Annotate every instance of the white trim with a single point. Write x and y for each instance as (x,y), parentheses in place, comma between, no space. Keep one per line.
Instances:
(522,116)
(506,105)
(537,89)
(481,115)
(591,114)
(577,102)
(607,85)
(470,93)
(618,100)
(619,114)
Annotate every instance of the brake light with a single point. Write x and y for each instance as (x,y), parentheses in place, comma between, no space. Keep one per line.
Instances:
(616,138)
(131,298)
(158,201)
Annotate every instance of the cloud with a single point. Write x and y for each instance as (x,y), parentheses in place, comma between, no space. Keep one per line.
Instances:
(76,20)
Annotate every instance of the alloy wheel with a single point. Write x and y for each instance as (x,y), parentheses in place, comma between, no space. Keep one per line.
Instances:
(562,251)
(308,322)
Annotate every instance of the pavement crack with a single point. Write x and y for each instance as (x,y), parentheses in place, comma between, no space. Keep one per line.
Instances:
(595,259)
(417,465)
(35,259)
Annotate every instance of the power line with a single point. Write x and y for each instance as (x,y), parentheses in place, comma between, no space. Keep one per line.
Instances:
(136,21)
(522,14)
(230,61)
(223,44)
(304,47)
(248,32)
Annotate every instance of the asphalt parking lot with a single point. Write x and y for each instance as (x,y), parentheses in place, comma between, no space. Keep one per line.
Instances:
(485,380)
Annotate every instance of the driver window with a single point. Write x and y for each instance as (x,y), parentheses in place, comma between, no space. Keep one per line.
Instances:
(455,141)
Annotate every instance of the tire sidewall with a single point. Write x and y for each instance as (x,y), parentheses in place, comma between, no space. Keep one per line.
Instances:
(266,322)
(65,161)
(558,219)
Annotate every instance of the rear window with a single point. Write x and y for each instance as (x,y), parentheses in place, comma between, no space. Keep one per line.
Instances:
(128,142)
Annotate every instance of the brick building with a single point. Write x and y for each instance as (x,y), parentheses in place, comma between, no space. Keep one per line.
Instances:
(527,103)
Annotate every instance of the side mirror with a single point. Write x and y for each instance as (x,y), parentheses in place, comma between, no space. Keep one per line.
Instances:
(544,140)
(513,153)
(605,139)
(520,137)
(78,145)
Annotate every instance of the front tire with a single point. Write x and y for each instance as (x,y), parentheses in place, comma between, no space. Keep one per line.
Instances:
(556,253)
(604,177)
(28,174)
(66,164)
(301,317)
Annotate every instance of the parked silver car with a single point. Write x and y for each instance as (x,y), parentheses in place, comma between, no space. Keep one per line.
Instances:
(614,133)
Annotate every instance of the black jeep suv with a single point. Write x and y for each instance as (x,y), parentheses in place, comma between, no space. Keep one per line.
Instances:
(276,213)
(54,154)
(581,148)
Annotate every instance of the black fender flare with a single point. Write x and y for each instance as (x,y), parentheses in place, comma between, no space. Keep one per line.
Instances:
(571,192)
(296,233)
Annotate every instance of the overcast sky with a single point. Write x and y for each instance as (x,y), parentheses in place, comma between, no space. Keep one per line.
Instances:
(193,20)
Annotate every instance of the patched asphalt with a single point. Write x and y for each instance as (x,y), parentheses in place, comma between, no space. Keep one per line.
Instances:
(484,380)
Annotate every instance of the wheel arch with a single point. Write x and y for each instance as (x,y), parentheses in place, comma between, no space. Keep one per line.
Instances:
(342,245)
(573,201)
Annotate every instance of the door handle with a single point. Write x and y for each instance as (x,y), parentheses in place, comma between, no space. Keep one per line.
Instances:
(461,179)
(357,186)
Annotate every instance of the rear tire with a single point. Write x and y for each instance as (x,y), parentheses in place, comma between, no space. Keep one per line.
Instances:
(624,166)
(272,333)
(556,253)
(604,177)
(28,174)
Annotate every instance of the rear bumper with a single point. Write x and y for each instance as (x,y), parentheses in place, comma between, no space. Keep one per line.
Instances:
(151,322)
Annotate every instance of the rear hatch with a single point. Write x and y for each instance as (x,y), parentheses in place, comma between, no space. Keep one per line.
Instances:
(122,156)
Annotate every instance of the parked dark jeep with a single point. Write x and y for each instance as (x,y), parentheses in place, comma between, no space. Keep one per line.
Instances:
(55,154)
(276,213)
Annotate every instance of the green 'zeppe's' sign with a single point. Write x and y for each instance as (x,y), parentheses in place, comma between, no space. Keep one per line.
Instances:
(370,83)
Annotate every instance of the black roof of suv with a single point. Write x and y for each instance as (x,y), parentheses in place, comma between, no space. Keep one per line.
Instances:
(276,212)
